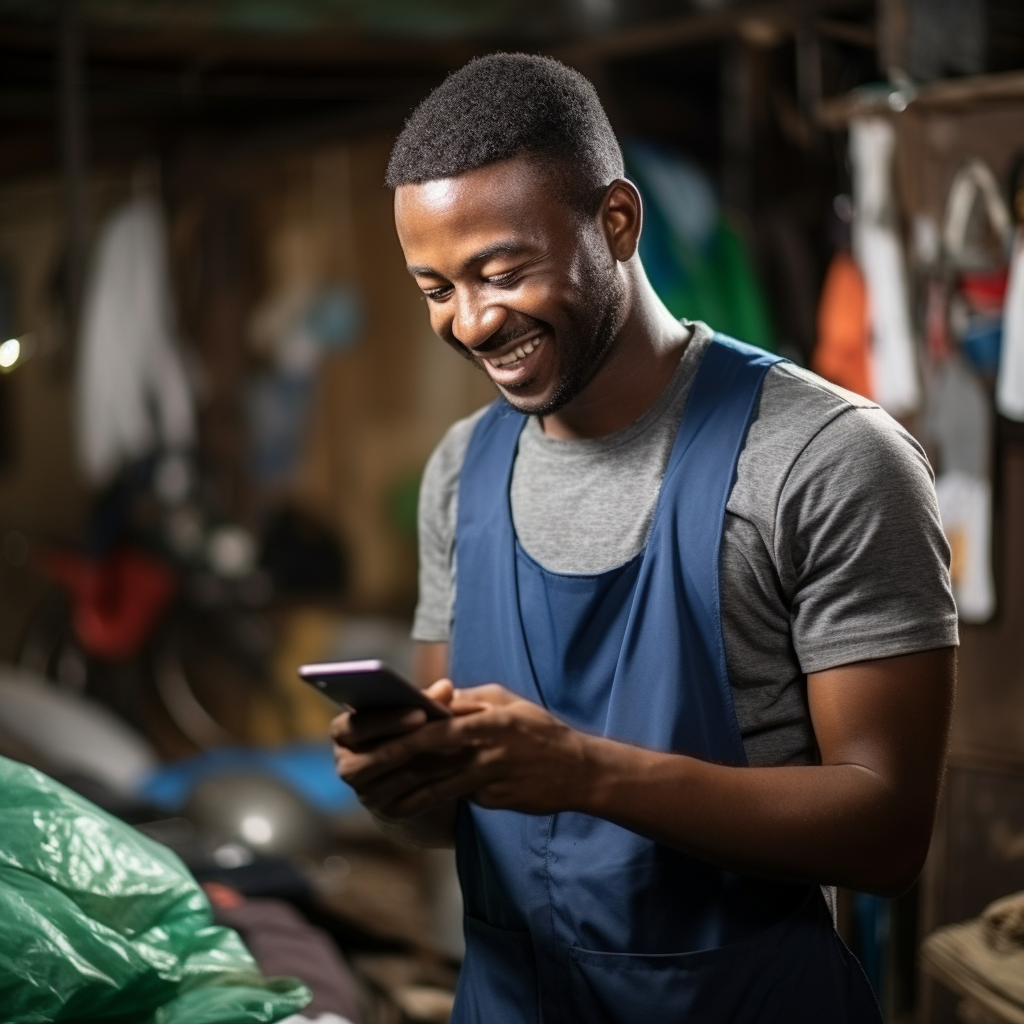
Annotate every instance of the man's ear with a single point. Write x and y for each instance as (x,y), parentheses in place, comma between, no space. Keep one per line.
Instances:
(622,218)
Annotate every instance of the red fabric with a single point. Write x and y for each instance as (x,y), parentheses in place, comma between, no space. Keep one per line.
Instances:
(843,352)
(223,897)
(116,601)
(985,290)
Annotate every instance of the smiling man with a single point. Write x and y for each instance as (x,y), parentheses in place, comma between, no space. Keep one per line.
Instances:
(688,602)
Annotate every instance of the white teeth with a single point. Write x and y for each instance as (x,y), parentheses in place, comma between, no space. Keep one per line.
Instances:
(519,352)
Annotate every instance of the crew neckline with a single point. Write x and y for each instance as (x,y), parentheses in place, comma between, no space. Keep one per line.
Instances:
(682,376)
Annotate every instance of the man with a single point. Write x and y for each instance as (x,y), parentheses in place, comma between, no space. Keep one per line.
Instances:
(694,600)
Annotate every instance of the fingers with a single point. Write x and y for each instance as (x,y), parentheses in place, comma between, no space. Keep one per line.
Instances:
(438,739)
(355,730)
(399,765)
(395,760)
(418,785)
(477,698)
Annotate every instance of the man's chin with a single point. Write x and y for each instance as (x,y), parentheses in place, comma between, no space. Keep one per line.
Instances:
(522,400)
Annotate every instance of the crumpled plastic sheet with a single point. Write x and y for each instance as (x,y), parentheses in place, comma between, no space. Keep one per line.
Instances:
(100,923)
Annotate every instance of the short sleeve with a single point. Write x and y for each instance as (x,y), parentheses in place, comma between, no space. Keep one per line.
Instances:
(437,518)
(860,547)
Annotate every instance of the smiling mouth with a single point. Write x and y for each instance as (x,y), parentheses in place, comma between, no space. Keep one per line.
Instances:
(519,352)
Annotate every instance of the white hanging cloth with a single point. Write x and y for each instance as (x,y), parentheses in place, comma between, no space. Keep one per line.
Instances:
(1010,383)
(965,506)
(132,391)
(959,422)
(879,253)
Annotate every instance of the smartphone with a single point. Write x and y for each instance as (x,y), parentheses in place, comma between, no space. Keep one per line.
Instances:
(369,686)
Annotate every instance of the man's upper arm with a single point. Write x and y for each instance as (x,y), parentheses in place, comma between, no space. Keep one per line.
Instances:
(891,717)
(860,547)
(430,662)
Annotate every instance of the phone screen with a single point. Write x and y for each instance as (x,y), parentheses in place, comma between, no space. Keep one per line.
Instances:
(369,686)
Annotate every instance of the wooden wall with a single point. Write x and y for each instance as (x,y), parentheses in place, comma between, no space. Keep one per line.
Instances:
(378,409)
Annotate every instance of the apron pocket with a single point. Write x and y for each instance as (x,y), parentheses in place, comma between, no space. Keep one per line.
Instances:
(797,972)
(498,979)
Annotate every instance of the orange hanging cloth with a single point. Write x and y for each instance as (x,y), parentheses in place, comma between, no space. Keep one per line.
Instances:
(842,354)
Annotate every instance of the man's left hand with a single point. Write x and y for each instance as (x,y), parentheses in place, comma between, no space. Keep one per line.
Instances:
(498,750)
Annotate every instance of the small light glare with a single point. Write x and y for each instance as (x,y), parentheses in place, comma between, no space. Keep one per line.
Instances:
(10,352)
(256,829)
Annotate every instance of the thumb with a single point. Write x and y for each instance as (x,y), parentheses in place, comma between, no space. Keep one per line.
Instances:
(443,691)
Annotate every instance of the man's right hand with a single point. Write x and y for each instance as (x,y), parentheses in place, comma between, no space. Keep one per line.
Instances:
(357,734)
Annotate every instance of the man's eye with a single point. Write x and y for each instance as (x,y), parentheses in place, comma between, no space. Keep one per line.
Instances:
(437,294)
(502,279)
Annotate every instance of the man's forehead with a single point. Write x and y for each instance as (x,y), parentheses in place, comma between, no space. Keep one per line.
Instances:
(512,181)
(488,206)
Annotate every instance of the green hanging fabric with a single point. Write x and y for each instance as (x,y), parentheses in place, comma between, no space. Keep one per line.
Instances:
(707,275)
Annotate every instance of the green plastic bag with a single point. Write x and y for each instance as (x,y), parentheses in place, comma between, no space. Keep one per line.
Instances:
(100,923)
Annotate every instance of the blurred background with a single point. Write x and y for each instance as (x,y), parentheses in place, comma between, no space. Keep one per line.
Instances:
(218,389)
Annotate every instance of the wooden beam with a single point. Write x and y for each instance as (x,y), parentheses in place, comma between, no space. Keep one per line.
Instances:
(953,93)
(784,16)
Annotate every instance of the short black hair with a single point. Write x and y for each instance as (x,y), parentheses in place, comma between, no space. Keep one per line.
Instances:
(506,105)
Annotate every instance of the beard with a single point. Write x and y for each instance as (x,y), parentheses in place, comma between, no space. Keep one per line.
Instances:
(581,353)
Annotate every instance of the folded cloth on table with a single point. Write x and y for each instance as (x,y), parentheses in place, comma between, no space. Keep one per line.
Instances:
(964,957)
(1004,923)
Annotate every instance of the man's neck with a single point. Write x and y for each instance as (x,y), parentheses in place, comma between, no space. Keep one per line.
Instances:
(637,370)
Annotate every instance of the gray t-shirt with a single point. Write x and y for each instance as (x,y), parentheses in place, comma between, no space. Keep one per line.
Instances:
(832,550)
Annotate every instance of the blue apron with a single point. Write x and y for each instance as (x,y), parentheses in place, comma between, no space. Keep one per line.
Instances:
(570,918)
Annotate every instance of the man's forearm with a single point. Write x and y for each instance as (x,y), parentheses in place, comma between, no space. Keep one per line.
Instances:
(833,824)
(862,818)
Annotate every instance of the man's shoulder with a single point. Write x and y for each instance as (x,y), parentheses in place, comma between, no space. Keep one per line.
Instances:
(797,406)
(789,388)
(441,475)
(803,418)
(450,452)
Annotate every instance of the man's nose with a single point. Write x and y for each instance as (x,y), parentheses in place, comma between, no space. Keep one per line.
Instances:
(475,320)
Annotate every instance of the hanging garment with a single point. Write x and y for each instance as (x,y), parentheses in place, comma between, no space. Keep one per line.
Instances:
(976,235)
(879,254)
(975,183)
(965,505)
(570,917)
(117,600)
(131,389)
(975,250)
(697,263)
(958,421)
(1010,383)
(843,352)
